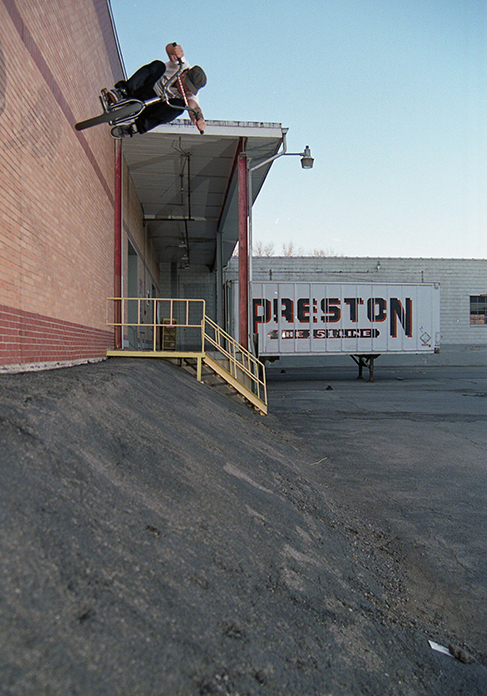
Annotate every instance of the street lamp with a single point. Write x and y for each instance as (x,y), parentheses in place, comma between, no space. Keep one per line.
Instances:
(245,230)
(306,160)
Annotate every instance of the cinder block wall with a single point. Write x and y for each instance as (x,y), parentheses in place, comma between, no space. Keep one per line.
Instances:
(56,184)
(196,282)
(461,342)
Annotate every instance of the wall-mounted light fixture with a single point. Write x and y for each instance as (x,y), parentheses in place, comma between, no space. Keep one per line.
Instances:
(306,160)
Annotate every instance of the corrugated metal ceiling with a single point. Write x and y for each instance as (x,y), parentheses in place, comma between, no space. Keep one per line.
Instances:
(187,183)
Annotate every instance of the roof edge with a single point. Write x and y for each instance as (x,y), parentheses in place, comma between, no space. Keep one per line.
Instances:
(230,128)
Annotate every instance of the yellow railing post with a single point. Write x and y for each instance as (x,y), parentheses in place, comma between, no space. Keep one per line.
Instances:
(154,337)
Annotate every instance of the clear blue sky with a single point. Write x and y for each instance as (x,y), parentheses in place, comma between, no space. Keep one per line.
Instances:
(391,96)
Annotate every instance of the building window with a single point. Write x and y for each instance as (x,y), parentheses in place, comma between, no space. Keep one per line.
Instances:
(478,309)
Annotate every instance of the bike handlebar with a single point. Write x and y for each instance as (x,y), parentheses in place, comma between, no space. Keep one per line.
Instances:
(175,78)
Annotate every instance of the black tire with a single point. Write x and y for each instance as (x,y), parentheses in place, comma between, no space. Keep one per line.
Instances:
(132,108)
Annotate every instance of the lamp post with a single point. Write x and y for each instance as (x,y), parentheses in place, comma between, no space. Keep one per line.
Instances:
(245,230)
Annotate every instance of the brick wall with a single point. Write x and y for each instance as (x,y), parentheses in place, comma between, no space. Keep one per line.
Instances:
(56,184)
(45,339)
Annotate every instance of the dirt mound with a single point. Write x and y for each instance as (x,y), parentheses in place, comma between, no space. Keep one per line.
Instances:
(158,538)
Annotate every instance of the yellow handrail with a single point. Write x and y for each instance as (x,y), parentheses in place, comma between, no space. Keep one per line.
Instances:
(249,365)
(168,319)
(153,313)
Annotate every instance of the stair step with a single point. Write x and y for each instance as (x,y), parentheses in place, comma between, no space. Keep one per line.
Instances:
(224,383)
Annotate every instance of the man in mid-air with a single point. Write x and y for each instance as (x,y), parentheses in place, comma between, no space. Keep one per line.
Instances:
(147,82)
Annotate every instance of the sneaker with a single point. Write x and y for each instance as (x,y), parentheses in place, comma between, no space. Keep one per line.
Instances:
(121,86)
(123,131)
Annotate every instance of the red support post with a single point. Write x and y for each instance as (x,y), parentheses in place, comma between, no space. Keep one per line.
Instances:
(243,251)
(118,241)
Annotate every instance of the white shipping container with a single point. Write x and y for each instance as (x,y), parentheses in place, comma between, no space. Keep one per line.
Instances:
(351,318)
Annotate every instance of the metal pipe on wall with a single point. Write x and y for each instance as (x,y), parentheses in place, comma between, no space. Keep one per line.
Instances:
(118,225)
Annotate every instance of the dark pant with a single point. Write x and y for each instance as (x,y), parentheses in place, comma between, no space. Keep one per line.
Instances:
(141,86)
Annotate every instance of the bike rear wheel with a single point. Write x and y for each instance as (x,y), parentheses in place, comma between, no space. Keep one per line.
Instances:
(124,111)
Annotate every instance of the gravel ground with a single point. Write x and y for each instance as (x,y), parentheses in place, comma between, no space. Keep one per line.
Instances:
(160,539)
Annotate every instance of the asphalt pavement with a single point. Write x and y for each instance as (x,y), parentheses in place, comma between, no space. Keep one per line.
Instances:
(406,456)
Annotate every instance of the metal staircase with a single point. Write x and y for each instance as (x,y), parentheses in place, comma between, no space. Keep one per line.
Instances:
(179,329)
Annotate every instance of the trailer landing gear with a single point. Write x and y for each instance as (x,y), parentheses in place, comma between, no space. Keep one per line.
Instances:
(365,361)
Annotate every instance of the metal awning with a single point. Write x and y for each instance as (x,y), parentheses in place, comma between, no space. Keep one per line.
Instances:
(187,184)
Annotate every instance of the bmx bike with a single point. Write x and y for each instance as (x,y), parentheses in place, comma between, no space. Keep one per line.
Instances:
(126,111)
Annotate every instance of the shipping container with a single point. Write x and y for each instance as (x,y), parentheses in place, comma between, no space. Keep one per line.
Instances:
(364,320)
